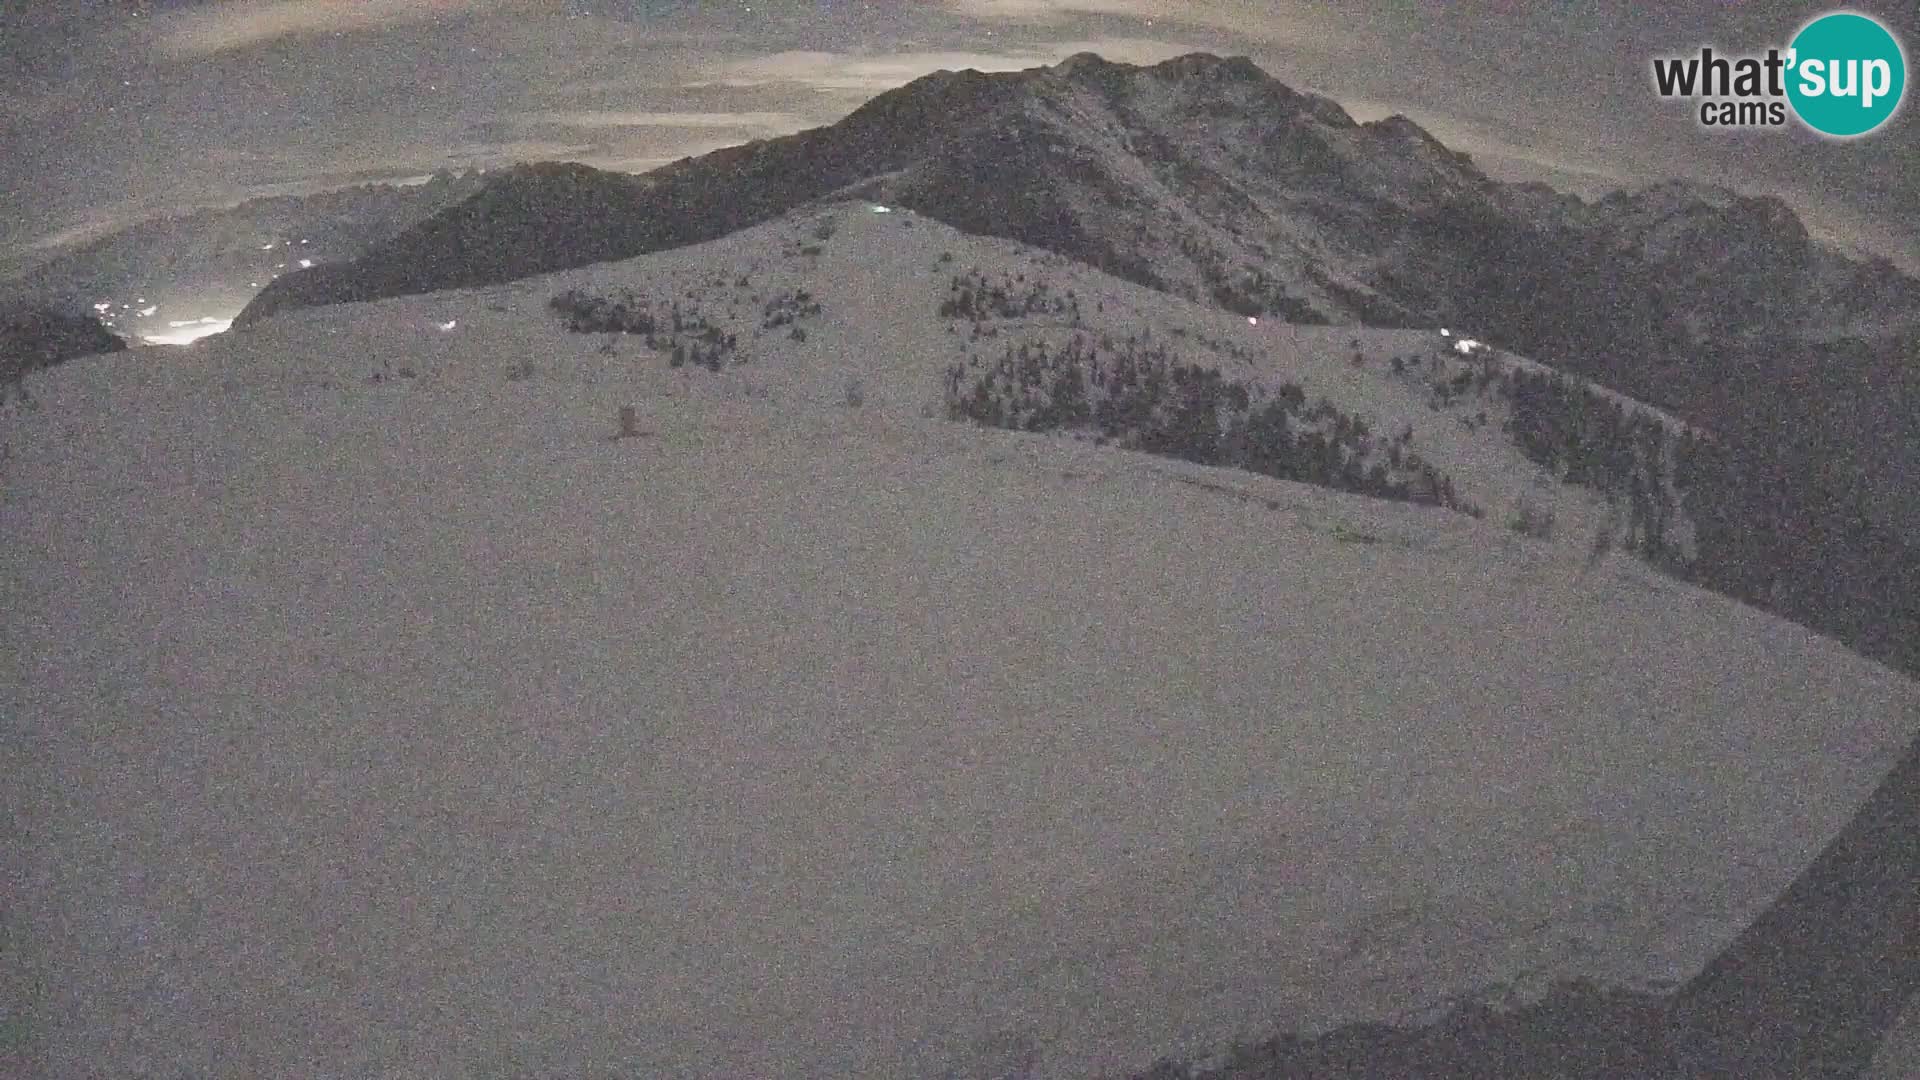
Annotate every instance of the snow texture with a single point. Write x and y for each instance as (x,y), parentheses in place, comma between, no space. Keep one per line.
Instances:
(419,727)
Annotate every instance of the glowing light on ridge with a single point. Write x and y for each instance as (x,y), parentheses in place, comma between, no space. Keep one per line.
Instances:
(188,331)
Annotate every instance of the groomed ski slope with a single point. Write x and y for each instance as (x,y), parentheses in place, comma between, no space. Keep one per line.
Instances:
(415,728)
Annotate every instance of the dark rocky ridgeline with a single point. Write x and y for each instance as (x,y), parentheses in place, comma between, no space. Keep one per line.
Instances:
(534,219)
(39,337)
(1241,167)
(526,221)
(1206,177)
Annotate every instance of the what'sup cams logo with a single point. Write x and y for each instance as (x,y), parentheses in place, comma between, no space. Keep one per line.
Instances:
(1844,75)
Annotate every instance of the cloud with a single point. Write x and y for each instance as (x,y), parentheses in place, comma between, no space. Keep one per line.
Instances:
(847,71)
(1500,151)
(1284,23)
(646,162)
(869,73)
(235,25)
(496,154)
(1057,10)
(614,118)
(92,228)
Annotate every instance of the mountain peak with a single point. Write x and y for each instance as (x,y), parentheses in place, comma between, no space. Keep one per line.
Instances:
(1671,196)
(1082,63)
(1230,82)
(1675,216)
(1408,137)
(1207,66)
(1197,68)
(1400,126)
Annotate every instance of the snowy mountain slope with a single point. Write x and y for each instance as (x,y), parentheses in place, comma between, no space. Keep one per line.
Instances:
(1203,177)
(413,726)
(880,281)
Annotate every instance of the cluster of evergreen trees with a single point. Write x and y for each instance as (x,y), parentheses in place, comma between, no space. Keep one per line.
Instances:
(812,245)
(1779,533)
(683,334)
(623,313)
(1580,435)
(1772,525)
(973,296)
(1584,437)
(1475,380)
(1143,397)
(788,307)
(1250,290)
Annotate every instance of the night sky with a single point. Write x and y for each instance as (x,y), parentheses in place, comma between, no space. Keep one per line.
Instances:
(110,111)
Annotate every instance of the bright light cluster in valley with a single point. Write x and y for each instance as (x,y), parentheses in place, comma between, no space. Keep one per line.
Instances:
(136,319)
(187,331)
(133,319)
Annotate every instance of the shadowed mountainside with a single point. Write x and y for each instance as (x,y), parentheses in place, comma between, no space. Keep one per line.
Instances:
(40,337)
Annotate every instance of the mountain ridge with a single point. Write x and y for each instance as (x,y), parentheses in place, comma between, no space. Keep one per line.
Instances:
(1209,179)
(930,119)
(36,337)
(1200,175)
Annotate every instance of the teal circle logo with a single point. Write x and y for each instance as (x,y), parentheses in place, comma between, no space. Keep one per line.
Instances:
(1846,74)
